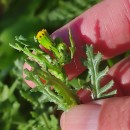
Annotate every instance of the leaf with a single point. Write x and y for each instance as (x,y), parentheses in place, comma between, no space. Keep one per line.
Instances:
(4,92)
(92,63)
(109,94)
(72,47)
(106,87)
(102,74)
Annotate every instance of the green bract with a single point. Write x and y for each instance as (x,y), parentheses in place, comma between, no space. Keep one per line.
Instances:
(58,47)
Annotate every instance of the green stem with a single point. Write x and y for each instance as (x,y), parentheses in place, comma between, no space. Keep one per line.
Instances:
(62,89)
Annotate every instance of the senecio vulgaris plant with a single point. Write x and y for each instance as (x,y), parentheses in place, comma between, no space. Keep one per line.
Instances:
(50,68)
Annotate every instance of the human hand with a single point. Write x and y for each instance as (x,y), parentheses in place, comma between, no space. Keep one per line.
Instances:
(107,27)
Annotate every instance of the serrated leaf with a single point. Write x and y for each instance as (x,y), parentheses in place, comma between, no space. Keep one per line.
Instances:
(97,60)
(102,73)
(93,62)
(106,87)
(72,48)
(112,93)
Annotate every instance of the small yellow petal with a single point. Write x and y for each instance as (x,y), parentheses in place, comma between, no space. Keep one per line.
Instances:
(41,33)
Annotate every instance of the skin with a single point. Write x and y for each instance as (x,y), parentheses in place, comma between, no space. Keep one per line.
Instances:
(107,27)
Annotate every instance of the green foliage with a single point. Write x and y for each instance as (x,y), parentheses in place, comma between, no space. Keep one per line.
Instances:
(95,76)
(9,106)
(42,116)
(39,116)
(49,69)
(10,113)
(40,122)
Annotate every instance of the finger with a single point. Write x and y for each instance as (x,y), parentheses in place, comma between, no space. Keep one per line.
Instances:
(84,95)
(106,26)
(29,82)
(82,117)
(112,114)
(115,114)
(120,72)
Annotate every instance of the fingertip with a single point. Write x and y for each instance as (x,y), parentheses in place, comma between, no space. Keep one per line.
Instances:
(82,117)
(111,114)
(115,114)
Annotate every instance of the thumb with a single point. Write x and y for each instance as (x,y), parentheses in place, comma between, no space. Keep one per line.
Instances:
(106,26)
(110,114)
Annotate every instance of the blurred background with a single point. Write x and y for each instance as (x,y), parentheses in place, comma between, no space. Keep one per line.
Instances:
(21,109)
